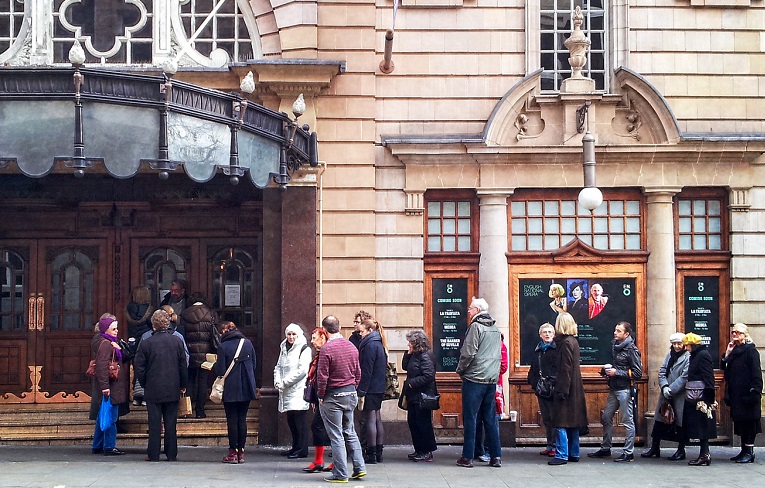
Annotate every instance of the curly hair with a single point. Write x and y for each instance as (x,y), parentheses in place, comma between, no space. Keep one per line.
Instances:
(419,340)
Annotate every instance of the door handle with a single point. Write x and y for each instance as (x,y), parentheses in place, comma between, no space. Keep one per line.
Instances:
(32,312)
(40,306)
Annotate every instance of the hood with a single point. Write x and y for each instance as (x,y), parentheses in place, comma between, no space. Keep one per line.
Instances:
(484,319)
(299,340)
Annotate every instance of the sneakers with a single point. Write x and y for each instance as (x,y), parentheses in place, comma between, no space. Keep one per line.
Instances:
(358,474)
(423,456)
(412,455)
(332,479)
(625,458)
(600,453)
(557,462)
(495,463)
(464,462)
(484,458)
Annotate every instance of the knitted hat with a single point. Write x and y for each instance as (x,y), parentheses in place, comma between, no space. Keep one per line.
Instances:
(104,323)
(691,338)
(294,328)
(676,337)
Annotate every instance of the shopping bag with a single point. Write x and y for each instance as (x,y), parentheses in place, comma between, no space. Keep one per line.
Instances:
(184,406)
(105,414)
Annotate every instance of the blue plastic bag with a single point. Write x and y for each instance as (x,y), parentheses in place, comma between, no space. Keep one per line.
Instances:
(105,414)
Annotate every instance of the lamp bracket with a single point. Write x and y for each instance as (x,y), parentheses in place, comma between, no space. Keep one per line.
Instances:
(582,116)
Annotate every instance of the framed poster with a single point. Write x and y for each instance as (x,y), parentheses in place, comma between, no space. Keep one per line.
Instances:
(596,303)
(702,311)
(449,319)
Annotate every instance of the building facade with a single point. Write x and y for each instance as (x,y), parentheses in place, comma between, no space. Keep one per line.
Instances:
(448,170)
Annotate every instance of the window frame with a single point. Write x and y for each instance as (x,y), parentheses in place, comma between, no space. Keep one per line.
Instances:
(453,196)
(706,194)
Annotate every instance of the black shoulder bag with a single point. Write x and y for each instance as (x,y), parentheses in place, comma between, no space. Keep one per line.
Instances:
(545,387)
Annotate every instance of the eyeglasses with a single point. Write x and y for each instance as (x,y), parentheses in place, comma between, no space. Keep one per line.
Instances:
(734,332)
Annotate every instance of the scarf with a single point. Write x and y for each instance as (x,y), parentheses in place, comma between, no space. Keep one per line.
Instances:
(673,357)
(544,346)
(110,338)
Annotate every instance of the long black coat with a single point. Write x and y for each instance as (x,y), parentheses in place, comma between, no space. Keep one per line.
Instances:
(743,382)
(420,370)
(240,382)
(549,361)
(160,366)
(374,364)
(696,424)
(569,406)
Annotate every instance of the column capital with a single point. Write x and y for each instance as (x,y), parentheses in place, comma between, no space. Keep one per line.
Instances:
(661,194)
(497,192)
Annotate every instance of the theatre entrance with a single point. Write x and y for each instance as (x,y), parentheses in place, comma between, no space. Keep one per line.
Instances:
(71,250)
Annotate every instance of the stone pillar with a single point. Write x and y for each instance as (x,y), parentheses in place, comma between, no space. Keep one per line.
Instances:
(492,268)
(661,304)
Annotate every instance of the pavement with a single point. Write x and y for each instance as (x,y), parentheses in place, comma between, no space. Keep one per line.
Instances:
(76,466)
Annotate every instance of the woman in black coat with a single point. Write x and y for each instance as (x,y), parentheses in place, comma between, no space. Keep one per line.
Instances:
(420,367)
(373,360)
(545,364)
(743,389)
(239,388)
(569,409)
(698,424)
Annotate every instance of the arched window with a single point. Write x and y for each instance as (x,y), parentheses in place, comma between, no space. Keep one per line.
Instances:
(235,295)
(12,291)
(72,287)
(160,268)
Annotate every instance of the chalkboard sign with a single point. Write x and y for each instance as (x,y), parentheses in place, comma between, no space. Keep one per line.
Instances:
(596,304)
(450,303)
(702,311)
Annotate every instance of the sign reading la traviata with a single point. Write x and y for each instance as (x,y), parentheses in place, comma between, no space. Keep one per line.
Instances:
(450,302)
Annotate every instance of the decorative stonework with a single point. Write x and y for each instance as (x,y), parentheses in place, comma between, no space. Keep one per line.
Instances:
(35,395)
(577,45)
(739,200)
(415,203)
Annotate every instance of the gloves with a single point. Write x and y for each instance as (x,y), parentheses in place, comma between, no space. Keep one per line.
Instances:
(560,396)
(667,393)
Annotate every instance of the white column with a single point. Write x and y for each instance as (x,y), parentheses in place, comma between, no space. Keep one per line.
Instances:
(661,304)
(492,269)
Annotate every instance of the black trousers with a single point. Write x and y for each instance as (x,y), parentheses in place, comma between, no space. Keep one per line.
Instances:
(236,423)
(198,386)
(159,412)
(298,423)
(421,427)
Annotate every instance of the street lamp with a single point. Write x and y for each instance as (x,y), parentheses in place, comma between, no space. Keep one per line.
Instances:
(590,197)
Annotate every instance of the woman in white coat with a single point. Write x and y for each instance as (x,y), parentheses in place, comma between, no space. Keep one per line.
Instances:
(290,375)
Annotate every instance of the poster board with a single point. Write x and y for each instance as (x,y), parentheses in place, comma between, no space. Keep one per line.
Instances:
(596,319)
(449,303)
(701,311)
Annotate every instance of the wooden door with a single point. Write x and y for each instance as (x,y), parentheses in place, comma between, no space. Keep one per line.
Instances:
(46,345)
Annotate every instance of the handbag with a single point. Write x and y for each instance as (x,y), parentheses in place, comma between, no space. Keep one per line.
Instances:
(391,382)
(310,394)
(694,390)
(105,414)
(667,413)
(429,401)
(114,368)
(402,403)
(91,371)
(184,406)
(216,395)
(545,387)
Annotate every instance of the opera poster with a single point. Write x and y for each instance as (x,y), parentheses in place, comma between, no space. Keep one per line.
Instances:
(449,320)
(596,304)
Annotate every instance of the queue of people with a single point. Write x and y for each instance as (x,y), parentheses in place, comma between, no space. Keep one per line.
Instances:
(346,378)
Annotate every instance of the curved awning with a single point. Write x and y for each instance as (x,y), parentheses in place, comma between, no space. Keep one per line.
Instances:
(125,123)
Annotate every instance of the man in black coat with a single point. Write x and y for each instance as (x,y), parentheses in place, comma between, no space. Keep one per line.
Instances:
(160,365)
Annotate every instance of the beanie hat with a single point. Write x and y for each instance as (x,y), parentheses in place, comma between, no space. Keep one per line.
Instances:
(104,323)
(691,338)
(676,337)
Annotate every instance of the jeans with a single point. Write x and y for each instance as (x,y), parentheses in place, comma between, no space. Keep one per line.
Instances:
(166,412)
(337,411)
(567,443)
(478,398)
(621,400)
(236,423)
(107,439)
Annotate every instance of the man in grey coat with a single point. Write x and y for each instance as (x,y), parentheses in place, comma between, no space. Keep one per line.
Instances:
(479,363)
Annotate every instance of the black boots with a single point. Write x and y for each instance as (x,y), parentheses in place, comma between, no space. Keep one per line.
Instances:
(378,452)
(703,460)
(654,451)
(739,455)
(370,455)
(679,455)
(747,455)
